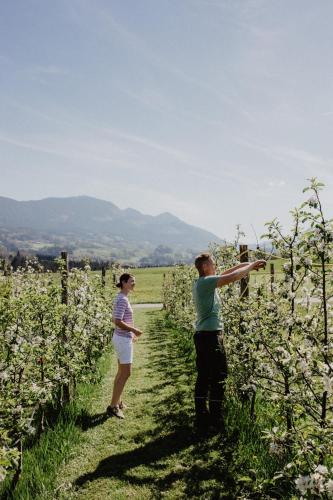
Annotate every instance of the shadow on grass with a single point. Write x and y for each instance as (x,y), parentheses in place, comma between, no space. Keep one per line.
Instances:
(171,453)
(87,421)
(151,453)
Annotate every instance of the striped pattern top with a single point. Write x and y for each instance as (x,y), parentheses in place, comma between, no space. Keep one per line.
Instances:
(122,310)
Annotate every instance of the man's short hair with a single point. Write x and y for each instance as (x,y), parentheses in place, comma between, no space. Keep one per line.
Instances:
(200,260)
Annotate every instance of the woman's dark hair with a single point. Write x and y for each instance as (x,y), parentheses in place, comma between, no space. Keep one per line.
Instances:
(123,279)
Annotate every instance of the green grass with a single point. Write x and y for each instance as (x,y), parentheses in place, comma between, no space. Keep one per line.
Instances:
(153,453)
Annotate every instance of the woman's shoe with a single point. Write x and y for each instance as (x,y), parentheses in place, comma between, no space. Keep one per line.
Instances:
(115,411)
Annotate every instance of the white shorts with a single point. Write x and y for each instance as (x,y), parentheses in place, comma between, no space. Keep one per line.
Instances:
(124,349)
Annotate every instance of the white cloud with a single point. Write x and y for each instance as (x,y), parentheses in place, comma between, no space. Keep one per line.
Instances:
(83,149)
(276,183)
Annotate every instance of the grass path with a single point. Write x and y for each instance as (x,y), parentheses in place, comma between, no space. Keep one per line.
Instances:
(152,453)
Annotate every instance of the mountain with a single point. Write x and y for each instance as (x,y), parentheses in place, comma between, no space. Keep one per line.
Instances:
(89,226)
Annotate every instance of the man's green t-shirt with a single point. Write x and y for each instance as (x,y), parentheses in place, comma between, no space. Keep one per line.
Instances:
(207,304)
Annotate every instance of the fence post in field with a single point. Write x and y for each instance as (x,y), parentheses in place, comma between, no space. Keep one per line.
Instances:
(64,278)
(103,276)
(64,300)
(272,270)
(163,290)
(244,285)
(6,268)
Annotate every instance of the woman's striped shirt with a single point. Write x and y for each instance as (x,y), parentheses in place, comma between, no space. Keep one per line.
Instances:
(122,310)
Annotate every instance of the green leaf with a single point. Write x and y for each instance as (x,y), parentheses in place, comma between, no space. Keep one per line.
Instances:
(245,479)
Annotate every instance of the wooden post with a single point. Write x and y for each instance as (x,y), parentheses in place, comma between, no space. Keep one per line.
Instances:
(272,276)
(64,300)
(64,278)
(7,271)
(4,267)
(103,276)
(244,293)
(244,285)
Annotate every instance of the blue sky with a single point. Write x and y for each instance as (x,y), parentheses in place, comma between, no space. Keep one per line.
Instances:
(214,110)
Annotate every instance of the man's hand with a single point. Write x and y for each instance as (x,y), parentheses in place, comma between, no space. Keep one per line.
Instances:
(258,264)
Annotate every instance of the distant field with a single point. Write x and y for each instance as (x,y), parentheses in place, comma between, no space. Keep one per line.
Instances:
(149,281)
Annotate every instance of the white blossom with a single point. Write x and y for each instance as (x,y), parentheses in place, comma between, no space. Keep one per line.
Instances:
(4,375)
(328,384)
(303,484)
(318,481)
(2,473)
(321,469)
(329,486)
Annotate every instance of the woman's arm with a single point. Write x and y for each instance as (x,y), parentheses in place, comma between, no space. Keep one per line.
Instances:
(125,326)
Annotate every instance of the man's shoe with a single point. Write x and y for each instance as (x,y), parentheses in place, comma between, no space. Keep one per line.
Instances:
(123,406)
(201,432)
(201,424)
(217,425)
(115,411)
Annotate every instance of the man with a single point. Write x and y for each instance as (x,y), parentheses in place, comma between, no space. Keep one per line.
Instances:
(211,358)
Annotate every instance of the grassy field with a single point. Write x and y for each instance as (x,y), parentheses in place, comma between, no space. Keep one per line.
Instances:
(149,282)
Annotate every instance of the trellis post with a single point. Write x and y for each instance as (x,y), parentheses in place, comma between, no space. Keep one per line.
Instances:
(244,285)
(64,300)
(272,271)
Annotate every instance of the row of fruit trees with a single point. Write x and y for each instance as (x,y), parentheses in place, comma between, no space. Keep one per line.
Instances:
(48,346)
(279,343)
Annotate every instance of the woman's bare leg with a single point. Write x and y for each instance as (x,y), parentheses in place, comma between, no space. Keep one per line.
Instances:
(123,373)
(117,374)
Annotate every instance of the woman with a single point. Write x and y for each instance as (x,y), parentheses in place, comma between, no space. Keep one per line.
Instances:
(123,337)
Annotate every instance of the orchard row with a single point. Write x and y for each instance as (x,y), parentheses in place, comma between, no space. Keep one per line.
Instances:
(279,343)
(51,339)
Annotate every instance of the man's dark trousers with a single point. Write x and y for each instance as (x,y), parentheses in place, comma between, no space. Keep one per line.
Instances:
(212,371)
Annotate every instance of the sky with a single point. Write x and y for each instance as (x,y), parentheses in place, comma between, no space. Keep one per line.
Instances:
(217,111)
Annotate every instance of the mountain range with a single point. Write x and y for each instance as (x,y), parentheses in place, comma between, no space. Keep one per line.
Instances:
(88,226)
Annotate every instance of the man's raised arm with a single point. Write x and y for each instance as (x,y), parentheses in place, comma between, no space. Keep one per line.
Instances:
(238,272)
(234,268)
